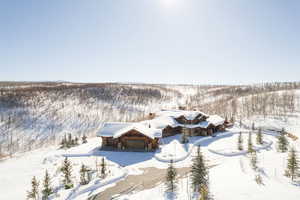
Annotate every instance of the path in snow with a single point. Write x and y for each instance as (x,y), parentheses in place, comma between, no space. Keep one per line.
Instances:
(150,178)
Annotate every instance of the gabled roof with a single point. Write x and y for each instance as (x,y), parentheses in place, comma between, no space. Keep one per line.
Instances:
(161,122)
(189,115)
(215,120)
(117,129)
(167,118)
(153,128)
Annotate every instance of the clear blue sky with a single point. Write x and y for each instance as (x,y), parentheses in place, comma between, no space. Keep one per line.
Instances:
(153,41)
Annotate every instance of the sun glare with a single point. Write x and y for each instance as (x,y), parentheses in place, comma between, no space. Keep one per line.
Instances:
(171,3)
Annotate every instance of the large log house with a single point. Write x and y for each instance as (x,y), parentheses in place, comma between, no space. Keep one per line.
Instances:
(146,134)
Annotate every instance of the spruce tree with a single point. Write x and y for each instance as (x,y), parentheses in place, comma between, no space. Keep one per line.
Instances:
(103,168)
(34,193)
(83,175)
(253,126)
(76,141)
(84,139)
(253,161)
(204,193)
(232,119)
(47,189)
(293,165)
(282,142)
(67,173)
(64,142)
(240,142)
(250,145)
(171,183)
(199,172)
(259,137)
(69,141)
(259,179)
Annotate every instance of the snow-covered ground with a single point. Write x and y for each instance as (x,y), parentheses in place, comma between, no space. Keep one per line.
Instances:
(231,177)
(17,172)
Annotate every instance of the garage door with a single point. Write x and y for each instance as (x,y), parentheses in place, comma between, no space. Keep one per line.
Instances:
(135,144)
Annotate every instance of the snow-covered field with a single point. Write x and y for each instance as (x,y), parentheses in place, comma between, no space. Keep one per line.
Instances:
(231,177)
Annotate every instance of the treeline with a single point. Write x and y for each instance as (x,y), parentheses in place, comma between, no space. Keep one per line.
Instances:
(276,99)
(31,117)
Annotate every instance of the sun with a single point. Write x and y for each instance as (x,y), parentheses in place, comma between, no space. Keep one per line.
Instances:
(170,3)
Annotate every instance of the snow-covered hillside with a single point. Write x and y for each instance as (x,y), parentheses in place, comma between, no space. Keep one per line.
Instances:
(34,119)
(39,115)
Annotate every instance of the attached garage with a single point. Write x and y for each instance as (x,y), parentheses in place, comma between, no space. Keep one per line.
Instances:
(130,136)
(135,144)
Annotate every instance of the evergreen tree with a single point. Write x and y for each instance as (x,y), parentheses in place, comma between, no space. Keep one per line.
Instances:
(83,175)
(204,193)
(34,193)
(76,141)
(232,119)
(259,180)
(241,123)
(282,142)
(84,139)
(69,141)
(253,126)
(171,183)
(47,190)
(103,168)
(259,137)
(293,165)
(199,172)
(64,142)
(240,142)
(253,160)
(67,173)
(250,145)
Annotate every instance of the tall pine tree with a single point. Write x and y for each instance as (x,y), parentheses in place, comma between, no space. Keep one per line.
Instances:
(47,189)
(171,183)
(84,139)
(282,142)
(253,126)
(199,172)
(240,142)
(83,175)
(259,137)
(293,165)
(204,193)
(103,168)
(67,173)
(250,145)
(34,193)
(253,161)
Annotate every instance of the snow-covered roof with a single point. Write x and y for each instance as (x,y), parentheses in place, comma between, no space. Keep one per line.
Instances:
(166,117)
(153,128)
(215,120)
(117,129)
(161,122)
(189,115)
